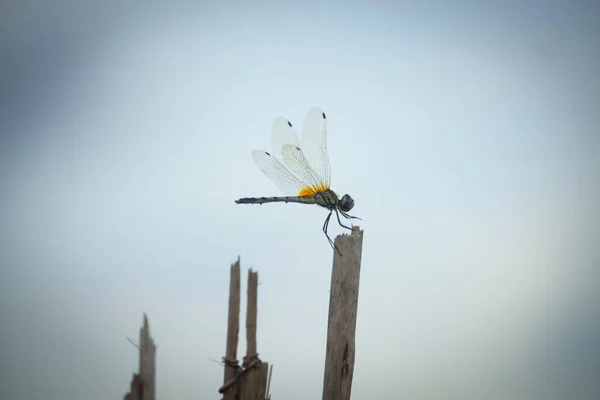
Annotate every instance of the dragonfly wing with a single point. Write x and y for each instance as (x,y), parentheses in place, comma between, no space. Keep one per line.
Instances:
(314,144)
(283,133)
(298,164)
(300,173)
(286,180)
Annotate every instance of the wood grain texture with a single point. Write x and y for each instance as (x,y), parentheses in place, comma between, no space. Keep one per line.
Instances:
(343,306)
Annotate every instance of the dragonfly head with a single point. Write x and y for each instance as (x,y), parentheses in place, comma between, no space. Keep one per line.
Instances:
(346,203)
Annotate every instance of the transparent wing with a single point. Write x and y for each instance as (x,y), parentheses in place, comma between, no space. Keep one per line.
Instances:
(297,163)
(289,183)
(283,133)
(305,169)
(309,161)
(314,144)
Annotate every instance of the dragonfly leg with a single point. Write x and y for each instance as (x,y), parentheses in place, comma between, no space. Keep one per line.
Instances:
(338,218)
(325,226)
(348,216)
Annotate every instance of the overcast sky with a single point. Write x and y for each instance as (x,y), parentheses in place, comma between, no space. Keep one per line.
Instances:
(467,135)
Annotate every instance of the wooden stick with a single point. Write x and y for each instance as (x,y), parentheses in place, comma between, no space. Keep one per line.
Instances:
(341,327)
(255,381)
(233,328)
(268,394)
(251,313)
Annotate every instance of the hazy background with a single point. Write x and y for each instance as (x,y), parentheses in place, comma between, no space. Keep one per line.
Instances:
(467,135)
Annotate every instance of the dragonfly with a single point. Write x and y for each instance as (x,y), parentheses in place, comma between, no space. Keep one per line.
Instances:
(301,169)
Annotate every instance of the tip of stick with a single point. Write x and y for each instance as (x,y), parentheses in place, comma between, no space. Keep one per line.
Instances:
(356,231)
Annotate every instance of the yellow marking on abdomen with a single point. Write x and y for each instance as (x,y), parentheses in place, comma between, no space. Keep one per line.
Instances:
(311,190)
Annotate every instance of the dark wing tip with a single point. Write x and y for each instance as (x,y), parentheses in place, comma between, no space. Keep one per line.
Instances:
(324,117)
(289,124)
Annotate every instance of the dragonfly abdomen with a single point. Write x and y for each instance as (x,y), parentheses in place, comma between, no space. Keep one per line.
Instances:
(286,199)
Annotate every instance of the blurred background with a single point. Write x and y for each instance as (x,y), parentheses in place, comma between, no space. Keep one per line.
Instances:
(466,133)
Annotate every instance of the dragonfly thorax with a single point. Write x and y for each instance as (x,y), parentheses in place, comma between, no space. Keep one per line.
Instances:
(346,203)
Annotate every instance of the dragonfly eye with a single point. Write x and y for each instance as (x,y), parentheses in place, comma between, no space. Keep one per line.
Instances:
(346,203)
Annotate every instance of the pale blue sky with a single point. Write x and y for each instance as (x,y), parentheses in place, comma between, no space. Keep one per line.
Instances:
(467,135)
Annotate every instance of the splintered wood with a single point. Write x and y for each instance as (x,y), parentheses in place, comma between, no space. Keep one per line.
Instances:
(251,313)
(249,381)
(255,380)
(343,306)
(233,328)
